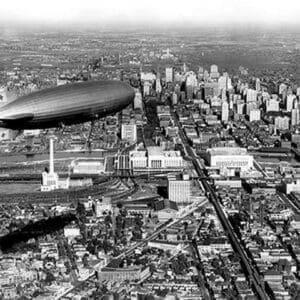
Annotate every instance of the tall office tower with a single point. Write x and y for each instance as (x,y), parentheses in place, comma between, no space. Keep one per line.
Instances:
(146,88)
(231,104)
(251,95)
(272,105)
(290,102)
(169,75)
(295,116)
(185,68)
(129,132)
(214,73)
(200,73)
(179,188)
(191,83)
(240,87)
(257,85)
(225,111)
(174,98)
(282,88)
(138,101)
(214,69)
(289,91)
(191,79)
(206,75)
(224,83)
(282,123)
(250,106)
(158,87)
(240,107)
(254,115)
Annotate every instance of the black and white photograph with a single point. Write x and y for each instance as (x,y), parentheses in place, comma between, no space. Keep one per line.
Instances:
(149,150)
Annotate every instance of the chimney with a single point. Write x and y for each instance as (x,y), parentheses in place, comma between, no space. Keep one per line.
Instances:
(51,162)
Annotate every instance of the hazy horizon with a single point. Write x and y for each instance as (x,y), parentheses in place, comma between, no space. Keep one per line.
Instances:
(165,13)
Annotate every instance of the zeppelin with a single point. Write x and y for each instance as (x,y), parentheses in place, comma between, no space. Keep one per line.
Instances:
(66,105)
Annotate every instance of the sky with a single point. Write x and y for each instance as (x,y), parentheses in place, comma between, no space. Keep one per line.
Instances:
(151,12)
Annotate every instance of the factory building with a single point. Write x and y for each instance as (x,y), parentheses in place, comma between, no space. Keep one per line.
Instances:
(51,181)
(88,166)
(230,158)
(155,158)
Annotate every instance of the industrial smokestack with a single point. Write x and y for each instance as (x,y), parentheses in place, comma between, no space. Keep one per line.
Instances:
(51,162)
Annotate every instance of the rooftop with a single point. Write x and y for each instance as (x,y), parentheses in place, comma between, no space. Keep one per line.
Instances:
(158,151)
(227,151)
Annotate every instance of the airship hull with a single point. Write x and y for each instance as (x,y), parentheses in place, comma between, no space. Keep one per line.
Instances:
(68,104)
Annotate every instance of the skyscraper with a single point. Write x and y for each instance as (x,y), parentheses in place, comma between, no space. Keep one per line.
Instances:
(224,83)
(138,101)
(158,87)
(225,111)
(169,75)
(214,73)
(254,115)
(251,95)
(272,105)
(185,68)
(282,88)
(257,85)
(174,98)
(200,73)
(290,102)
(250,106)
(295,116)
(240,107)
(282,123)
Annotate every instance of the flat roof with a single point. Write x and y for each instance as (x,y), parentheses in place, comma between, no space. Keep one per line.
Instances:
(227,151)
